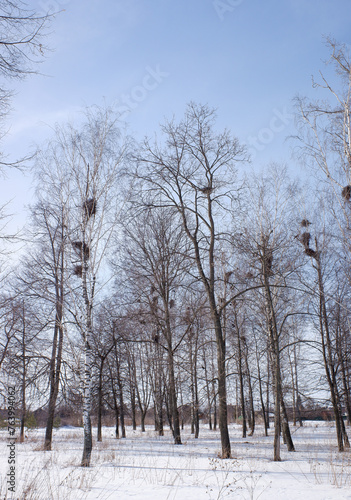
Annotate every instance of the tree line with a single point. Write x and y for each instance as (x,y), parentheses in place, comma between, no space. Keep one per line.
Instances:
(167,274)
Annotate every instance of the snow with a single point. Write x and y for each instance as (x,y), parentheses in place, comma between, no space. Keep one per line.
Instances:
(148,467)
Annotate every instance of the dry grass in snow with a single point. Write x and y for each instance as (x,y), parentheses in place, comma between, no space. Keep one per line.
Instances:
(148,467)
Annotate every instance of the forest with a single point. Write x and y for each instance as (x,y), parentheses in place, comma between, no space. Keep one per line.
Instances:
(166,282)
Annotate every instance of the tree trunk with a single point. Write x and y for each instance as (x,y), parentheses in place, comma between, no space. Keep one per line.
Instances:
(133,407)
(298,399)
(252,408)
(88,365)
(193,388)
(208,392)
(264,415)
(55,371)
(196,413)
(214,406)
(142,409)
(329,363)
(347,391)
(342,349)
(222,389)
(171,377)
(285,427)
(116,421)
(88,441)
(115,404)
(160,410)
(277,395)
(268,389)
(293,391)
(209,284)
(99,422)
(56,353)
(120,391)
(241,377)
(173,398)
(274,349)
(142,421)
(275,354)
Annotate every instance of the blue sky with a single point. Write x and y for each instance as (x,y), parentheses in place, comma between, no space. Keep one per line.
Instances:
(247,58)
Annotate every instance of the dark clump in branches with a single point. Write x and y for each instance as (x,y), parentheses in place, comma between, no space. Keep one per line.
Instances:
(206,190)
(153,305)
(305,239)
(311,253)
(81,248)
(346,193)
(305,223)
(89,207)
(78,271)
(268,258)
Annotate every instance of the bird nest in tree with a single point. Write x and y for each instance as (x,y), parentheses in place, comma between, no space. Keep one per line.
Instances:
(305,223)
(206,190)
(81,248)
(89,207)
(346,193)
(268,259)
(78,271)
(311,253)
(305,239)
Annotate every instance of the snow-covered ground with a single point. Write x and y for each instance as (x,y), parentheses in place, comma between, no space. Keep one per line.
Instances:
(147,467)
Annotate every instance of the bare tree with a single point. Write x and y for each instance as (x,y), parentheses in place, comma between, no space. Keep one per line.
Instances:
(7,324)
(328,329)
(26,358)
(22,45)
(324,140)
(195,173)
(156,262)
(102,347)
(47,271)
(143,380)
(93,156)
(325,145)
(266,235)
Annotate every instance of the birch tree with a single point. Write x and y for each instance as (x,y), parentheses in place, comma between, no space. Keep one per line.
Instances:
(93,154)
